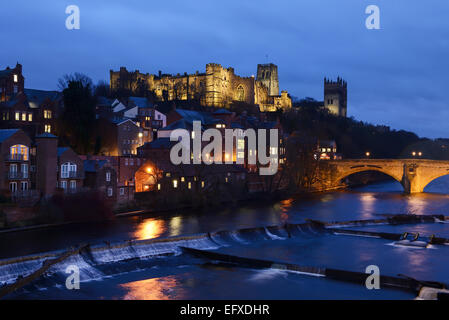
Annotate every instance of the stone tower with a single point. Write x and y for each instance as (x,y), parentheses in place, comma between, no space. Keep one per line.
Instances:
(336,96)
(268,75)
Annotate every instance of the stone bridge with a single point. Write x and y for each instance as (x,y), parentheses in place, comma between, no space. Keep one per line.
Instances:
(413,174)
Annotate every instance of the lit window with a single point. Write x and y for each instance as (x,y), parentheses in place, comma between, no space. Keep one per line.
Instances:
(189,185)
(24,117)
(202,184)
(159,186)
(241,144)
(19,152)
(47,128)
(226,179)
(16,78)
(175,183)
(30,117)
(183,179)
(47,114)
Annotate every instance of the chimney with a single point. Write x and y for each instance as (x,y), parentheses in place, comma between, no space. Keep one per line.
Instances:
(46,163)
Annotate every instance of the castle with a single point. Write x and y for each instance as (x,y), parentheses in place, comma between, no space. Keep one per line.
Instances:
(336,96)
(217,87)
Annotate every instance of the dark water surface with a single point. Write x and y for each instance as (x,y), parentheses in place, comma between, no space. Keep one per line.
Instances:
(182,277)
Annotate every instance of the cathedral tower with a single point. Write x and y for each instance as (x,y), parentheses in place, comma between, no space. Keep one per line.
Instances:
(336,96)
(268,75)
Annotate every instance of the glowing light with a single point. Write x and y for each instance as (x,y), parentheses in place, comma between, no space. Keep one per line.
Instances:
(367,154)
(154,289)
(140,134)
(149,229)
(149,170)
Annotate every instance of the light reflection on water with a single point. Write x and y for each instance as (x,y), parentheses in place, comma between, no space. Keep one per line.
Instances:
(164,288)
(149,229)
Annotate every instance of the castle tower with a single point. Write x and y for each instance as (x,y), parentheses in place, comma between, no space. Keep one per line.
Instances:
(335,96)
(268,75)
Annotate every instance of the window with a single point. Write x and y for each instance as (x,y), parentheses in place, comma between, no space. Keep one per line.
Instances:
(183,179)
(202,184)
(47,128)
(175,184)
(13,171)
(16,78)
(19,152)
(13,186)
(24,116)
(126,161)
(64,185)
(109,192)
(68,170)
(72,184)
(47,114)
(240,93)
(108,176)
(159,186)
(122,191)
(24,169)
(24,185)
(16,89)
(17,116)
(189,185)
(30,117)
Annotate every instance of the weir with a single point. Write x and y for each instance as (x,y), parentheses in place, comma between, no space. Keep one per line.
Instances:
(93,260)
(402,283)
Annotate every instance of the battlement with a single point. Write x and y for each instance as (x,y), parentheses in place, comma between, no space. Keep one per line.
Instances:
(339,83)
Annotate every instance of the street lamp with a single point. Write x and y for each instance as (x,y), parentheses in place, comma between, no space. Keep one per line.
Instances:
(414,153)
(367,154)
(420,153)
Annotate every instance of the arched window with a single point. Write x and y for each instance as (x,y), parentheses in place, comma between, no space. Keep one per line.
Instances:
(68,170)
(240,93)
(19,152)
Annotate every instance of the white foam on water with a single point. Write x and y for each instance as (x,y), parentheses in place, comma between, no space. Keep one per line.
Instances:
(267,274)
(355,235)
(273,236)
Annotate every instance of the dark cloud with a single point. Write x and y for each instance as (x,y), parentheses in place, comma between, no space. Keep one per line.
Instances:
(396,76)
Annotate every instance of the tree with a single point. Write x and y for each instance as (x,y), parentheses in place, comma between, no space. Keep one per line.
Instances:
(77,122)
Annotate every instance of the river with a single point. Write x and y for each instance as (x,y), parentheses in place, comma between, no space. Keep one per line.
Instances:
(181,277)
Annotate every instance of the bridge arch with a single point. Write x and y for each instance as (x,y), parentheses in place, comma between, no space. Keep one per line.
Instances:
(343,174)
(427,180)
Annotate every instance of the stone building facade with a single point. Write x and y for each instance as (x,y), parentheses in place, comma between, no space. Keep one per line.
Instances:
(216,87)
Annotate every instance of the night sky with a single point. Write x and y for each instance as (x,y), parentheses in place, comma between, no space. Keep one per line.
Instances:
(396,76)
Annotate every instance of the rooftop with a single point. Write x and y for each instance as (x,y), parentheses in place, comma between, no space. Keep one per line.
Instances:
(6,133)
